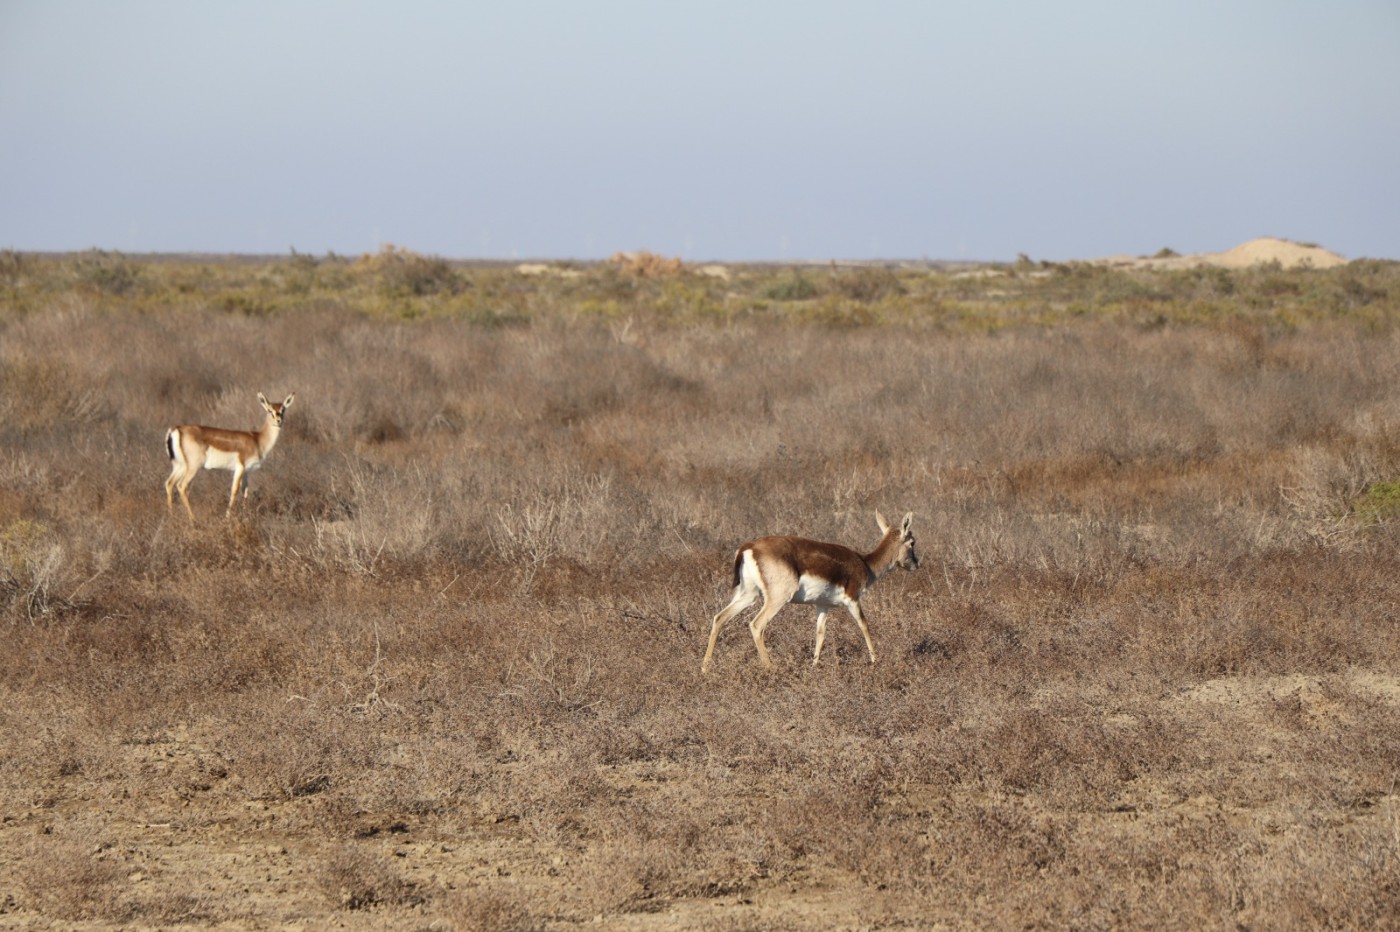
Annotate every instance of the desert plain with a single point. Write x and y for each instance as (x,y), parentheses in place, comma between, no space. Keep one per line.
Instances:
(441,669)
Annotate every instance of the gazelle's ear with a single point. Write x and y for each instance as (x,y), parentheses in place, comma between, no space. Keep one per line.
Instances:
(290,399)
(908,520)
(880,520)
(262,399)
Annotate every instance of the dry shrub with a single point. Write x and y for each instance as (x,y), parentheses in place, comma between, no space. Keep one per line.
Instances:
(33,574)
(567,519)
(382,515)
(1349,882)
(645,264)
(73,873)
(400,272)
(652,854)
(493,908)
(355,878)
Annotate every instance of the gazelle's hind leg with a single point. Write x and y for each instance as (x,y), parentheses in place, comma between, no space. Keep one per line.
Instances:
(777,594)
(184,468)
(191,470)
(177,470)
(745,594)
(177,466)
(182,486)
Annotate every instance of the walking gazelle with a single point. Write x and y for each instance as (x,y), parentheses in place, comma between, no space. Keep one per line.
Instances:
(192,446)
(809,572)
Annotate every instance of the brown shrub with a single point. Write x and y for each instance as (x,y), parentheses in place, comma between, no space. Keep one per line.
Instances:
(645,264)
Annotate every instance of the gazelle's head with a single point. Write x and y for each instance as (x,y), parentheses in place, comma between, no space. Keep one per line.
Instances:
(906,556)
(274,410)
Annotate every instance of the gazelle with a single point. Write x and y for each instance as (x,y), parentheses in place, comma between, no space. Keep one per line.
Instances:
(193,446)
(809,572)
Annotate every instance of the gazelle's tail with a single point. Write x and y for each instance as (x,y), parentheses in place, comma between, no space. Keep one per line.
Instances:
(738,568)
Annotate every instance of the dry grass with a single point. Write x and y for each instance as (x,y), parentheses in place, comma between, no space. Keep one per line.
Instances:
(445,669)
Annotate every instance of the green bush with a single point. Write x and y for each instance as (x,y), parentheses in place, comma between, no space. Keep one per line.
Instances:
(869,283)
(107,272)
(1380,502)
(794,286)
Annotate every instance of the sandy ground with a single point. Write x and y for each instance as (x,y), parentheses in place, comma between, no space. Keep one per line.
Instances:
(206,854)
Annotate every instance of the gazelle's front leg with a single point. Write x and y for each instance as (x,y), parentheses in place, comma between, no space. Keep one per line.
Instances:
(859,616)
(821,634)
(233,495)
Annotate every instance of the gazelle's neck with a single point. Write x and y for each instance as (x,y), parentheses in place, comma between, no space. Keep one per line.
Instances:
(886,552)
(267,435)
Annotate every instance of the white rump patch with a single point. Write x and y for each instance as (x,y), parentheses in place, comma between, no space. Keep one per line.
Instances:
(749,576)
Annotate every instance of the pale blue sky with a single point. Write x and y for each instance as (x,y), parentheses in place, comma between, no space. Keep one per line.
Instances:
(716,130)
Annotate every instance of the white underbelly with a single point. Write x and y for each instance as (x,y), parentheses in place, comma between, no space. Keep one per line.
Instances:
(223,459)
(813,590)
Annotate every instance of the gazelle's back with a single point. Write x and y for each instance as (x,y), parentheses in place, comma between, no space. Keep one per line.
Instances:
(837,565)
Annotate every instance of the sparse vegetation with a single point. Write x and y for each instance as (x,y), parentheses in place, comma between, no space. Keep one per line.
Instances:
(445,668)
(794,286)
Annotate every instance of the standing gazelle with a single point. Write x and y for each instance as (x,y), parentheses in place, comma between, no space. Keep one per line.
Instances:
(809,572)
(192,446)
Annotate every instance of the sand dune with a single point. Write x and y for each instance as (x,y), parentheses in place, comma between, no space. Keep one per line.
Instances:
(1259,251)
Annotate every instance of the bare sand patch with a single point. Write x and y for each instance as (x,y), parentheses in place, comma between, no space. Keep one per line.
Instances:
(1261,251)
(541,268)
(1237,690)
